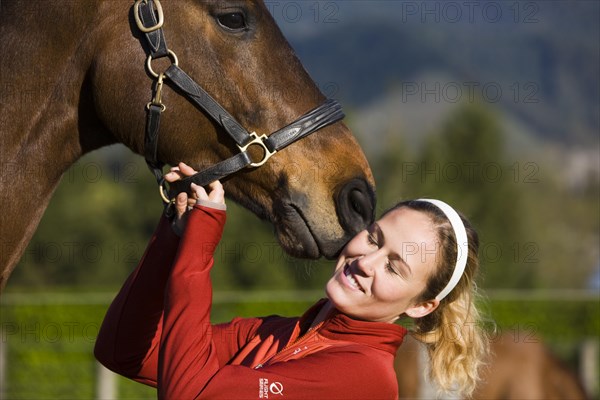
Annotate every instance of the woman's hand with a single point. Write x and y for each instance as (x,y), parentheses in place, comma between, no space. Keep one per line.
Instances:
(183,203)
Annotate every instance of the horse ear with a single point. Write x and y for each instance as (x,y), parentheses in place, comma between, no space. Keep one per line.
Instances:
(422,309)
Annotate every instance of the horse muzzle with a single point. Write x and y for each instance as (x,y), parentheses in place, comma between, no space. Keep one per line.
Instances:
(307,229)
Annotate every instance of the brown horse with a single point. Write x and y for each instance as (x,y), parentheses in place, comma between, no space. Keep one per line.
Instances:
(517,370)
(73,79)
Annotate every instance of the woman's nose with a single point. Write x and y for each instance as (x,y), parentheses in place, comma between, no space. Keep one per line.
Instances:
(366,263)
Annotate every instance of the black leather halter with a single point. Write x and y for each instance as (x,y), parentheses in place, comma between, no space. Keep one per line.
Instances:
(149,18)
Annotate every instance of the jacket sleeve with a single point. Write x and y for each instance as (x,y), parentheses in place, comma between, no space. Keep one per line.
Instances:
(129,337)
(188,357)
(127,342)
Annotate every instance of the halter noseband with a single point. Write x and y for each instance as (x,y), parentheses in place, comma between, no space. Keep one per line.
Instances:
(150,23)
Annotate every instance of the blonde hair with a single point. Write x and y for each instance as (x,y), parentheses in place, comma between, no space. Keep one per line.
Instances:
(453,333)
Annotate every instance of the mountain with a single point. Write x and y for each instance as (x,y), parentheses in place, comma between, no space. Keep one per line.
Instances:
(538,62)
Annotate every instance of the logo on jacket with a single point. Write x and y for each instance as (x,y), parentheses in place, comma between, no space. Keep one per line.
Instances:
(265,388)
(276,388)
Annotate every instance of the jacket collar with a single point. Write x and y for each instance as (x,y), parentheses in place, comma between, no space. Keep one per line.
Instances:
(381,335)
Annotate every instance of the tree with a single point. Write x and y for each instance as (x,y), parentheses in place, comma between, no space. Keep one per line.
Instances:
(465,165)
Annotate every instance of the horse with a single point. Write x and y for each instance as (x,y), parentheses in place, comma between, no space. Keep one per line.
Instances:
(76,76)
(519,370)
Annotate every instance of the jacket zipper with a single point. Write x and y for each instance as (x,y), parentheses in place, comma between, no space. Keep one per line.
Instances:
(298,340)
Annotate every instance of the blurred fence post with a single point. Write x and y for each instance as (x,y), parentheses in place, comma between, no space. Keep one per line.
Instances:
(2,365)
(106,383)
(589,366)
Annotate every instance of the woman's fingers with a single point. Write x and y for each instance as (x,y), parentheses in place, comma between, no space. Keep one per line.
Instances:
(172,176)
(186,170)
(199,192)
(181,204)
(217,194)
(179,172)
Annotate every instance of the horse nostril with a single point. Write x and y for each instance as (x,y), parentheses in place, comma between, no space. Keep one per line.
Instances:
(356,202)
(356,205)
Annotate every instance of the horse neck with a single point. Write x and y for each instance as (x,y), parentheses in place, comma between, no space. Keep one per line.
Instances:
(44,72)
(46,53)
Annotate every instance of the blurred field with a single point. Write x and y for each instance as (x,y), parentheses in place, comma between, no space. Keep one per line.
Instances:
(48,338)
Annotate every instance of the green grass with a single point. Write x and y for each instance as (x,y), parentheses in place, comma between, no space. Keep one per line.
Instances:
(552,320)
(48,347)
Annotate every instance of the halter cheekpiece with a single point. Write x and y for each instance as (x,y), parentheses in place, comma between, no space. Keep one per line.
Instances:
(149,18)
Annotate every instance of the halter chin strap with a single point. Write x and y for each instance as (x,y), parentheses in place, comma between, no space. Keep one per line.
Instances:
(462,243)
(148,15)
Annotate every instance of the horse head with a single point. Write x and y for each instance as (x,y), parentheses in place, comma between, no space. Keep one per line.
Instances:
(317,193)
(75,77)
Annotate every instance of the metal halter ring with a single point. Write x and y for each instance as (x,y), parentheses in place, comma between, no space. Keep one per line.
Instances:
(172,56)
(164,191)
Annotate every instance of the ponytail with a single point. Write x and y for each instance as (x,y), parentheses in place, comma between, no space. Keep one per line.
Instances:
(455,344)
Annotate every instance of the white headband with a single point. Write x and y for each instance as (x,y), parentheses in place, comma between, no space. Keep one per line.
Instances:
(462,243)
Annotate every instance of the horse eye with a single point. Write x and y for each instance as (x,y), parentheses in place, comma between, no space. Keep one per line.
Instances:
(233,21)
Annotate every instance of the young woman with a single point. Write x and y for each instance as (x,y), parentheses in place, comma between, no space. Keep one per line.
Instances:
(418,261)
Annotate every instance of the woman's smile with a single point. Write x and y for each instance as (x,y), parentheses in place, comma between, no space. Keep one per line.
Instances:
(349,279)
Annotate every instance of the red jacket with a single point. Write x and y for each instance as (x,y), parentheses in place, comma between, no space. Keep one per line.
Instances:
(157,331)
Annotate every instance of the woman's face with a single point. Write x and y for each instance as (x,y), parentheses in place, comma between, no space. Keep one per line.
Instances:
(384,268)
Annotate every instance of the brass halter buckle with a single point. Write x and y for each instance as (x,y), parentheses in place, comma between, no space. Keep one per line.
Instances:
(138,21)
(258,141)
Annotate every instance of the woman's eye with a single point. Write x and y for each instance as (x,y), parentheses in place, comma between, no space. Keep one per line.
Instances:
(393,269)
(372,240)
(234,21)
(390,268)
